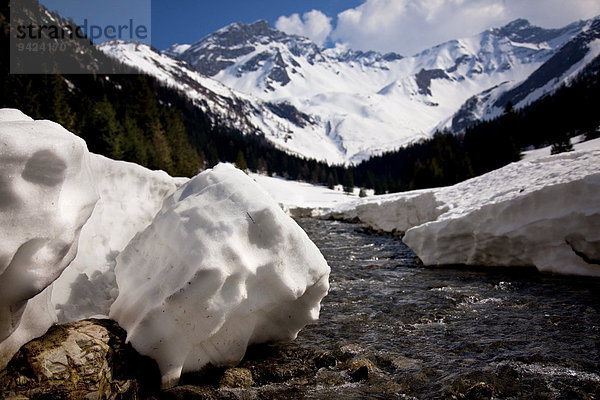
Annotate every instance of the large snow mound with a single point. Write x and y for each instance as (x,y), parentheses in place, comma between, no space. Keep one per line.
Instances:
(13,115)
(46,196)
(543,211)
(220,267)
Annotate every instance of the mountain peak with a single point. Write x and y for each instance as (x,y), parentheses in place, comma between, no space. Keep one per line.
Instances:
(261,24)
(240,32)
(517,25)
(521,31)
(176,49)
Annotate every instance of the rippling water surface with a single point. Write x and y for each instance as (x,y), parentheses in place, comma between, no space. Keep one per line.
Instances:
(452,332)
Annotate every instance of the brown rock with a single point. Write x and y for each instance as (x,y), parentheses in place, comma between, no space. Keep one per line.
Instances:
(237,378)
(479,391)
(86,359)
(360,368)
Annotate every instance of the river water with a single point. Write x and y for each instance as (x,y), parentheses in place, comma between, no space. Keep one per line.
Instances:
(451,332)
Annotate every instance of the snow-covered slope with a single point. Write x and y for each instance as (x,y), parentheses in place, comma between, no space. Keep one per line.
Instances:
(579,54)
(343,106)
(301,199)
(217,262)
(285,126)
(542,211)
(366,103)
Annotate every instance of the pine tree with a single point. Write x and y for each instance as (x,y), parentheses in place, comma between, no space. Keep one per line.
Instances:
(61,111)
(135,147)
(348,181)
(160,152)
(240,161)
(330,181)
(561,145)
(186,161)
(103,132)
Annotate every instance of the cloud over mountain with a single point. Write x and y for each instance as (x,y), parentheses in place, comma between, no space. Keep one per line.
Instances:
(314,25)
(408,26)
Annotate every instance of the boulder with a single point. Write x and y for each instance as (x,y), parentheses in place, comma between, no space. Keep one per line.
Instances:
(86,359)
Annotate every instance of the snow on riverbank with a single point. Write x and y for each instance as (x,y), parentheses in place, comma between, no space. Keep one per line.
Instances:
(214,268)
(542,211)
(299,199)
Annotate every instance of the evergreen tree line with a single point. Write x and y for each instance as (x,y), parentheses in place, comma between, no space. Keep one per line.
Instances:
(124,124)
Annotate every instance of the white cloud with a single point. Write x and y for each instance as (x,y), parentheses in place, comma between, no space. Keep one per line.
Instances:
(409,26)
(314,25)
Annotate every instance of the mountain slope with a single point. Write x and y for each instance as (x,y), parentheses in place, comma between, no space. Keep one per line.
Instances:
(369,102)
(343,106)
(564,65)
(285,126)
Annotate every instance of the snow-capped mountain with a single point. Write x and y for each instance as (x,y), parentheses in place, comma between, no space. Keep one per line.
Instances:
(281,123)
(341,105)
(576,56)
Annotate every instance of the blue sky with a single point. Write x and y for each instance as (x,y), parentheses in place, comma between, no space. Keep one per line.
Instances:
(403,26)
(185,21)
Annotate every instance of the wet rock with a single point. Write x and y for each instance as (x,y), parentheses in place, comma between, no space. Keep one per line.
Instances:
(360,368)
(347,351)
(237,378)
(85,359)
(325,360)
(189,392)
(276,372)
(479,391)
(360,374)
(330,378)
(288,371)
(360,362)
(394,364)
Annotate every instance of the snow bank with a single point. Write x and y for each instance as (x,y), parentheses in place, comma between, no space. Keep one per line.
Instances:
(542,212)
(400,214)
(220,267)
(300,199)
(226,265)
(46,196)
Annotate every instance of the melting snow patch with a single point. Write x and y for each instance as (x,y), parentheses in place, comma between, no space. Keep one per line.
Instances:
(46,197)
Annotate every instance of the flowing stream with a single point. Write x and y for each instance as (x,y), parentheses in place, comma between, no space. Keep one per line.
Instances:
(451,332)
